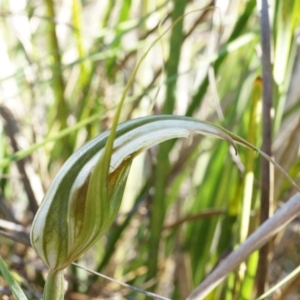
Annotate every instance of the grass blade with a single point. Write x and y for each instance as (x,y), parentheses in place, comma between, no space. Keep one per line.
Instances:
(15,288)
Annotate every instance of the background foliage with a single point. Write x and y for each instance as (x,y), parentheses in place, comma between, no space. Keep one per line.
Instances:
(188,203)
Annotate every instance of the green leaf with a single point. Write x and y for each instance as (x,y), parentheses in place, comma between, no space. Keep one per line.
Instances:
(15,288)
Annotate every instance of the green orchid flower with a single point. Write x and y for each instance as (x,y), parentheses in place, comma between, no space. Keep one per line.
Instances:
(84,198)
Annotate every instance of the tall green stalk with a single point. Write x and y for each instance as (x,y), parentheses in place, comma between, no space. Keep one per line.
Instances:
(162,170)
(57,75)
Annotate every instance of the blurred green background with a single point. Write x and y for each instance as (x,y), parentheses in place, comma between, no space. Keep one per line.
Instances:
(188,203)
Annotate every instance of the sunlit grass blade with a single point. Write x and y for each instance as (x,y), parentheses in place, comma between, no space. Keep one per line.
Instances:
(15,288)
(58,81)
(280,284)
(287,17)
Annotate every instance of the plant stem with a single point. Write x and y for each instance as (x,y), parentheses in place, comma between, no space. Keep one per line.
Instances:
(267,140)
(54,288)
(57,77)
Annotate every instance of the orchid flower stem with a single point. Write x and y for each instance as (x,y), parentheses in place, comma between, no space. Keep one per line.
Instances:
(54,288)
